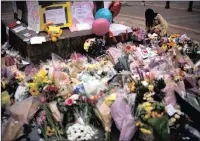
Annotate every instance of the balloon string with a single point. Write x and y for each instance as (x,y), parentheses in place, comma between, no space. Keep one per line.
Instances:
(122,37)
(126,34)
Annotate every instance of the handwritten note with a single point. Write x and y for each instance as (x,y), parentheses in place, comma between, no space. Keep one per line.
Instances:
(80,12)
(37,40)
(58,16)
(33,16)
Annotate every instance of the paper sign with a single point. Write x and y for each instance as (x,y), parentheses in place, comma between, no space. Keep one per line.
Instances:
(33,15)
(19,28)
(54,29)
(58,16)
(80,12)
(170,110)
(19,14)
(37,40)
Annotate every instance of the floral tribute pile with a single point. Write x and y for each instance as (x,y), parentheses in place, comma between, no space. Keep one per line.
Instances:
(147,90)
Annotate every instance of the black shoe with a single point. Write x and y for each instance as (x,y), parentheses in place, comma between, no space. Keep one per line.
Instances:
(167,7)
(189,10)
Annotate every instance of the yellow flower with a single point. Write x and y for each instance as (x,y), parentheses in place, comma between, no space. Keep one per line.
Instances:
(177,77)
(143,130)
(32,85)
(150,87)
(138,123)
(131,86)
(34,91)
(147,104)
(148,131)
(148,108)
(49,131)
(3,83)
(19,76)
(146,116)
(46,80)
(40,76)
(164,47)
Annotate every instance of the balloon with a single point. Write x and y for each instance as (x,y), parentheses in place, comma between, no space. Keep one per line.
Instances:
(115,8)
(100,26)
(104,13)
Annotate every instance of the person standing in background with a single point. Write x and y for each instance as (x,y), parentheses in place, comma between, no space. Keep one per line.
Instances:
(190,6)
(167,6)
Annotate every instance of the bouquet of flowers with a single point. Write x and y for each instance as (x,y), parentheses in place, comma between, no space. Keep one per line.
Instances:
(138,34)
(153,115)
(81,129)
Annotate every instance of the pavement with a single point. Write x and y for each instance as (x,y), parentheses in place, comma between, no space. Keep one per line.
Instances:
(179,19)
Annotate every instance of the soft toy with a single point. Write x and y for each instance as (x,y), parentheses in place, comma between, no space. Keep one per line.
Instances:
(52,31)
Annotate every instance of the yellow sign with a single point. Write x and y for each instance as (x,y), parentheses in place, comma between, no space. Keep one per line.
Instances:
(54,29)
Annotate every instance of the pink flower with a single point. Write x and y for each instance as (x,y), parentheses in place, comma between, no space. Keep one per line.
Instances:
(43,99)
(68,102)
(43,117)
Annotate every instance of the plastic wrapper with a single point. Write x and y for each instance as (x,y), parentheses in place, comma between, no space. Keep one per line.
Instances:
(93,87)
(122,115)
(20,117)
(115,54)
(102,111)
(12,131)
(170,97)
(55,112)
(81,129)
(29,106)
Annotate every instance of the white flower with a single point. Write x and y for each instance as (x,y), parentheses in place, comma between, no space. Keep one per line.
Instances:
(75,97)
(177,116)
(39,131)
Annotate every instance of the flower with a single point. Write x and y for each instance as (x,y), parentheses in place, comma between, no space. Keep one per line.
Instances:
(151,88)
(148,108)
(49,131)
(69,102)
(43,99)
(146,116)
(34,91)
(19,76)
(75,97)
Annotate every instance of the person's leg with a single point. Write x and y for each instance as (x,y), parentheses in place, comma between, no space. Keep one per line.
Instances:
(190,6)
(167,5)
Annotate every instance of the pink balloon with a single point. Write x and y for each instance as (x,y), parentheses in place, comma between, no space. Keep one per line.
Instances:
(100,26)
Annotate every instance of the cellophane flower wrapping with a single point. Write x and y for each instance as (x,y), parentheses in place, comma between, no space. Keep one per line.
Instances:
(152,114)
(82,129)
(121,111)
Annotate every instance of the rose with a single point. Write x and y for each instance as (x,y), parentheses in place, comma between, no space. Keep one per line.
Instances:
(43,99)
(69,102)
